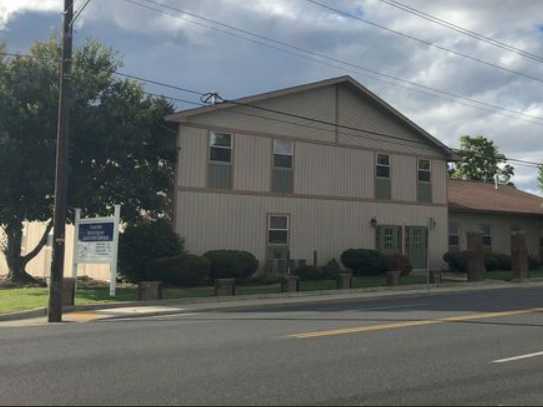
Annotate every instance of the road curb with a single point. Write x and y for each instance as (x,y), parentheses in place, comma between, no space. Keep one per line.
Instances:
(243,301)
(15,316)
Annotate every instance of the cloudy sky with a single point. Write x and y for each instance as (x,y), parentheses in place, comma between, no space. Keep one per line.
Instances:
(172,49)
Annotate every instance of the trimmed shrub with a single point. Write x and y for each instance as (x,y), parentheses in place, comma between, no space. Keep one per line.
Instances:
(236,264)
(266,278)
(533,263)
(187,270)
(331,269)
(505,262)
(457,261)
(493,262)
(399,262)
(364,261)
(309,273)
(142,243)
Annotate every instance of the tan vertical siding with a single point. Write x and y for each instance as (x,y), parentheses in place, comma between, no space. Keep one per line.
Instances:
(252,163)
(500,226)
(404,178)
(358,112)
(439,181)
(192,157)
(217,221)
(318,104)
(335,171)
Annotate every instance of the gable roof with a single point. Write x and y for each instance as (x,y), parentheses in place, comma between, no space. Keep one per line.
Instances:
(183,115)
(470,196)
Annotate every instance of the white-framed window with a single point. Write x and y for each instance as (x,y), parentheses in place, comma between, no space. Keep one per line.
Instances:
(382,168)
(220,147)
(219,168)
(425,171)
(454,236)
(424,181)
(486,235)
(278,229)
(383,186)
(283,167)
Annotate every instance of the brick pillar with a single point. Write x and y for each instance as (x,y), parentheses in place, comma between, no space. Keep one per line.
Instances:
(519,253)
(476,257)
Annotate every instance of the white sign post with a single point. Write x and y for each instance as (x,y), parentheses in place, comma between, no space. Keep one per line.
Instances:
(96,241)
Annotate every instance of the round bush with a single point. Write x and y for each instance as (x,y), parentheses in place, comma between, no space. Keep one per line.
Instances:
(187,270)
(399,262)
(331,270)
(457,261)
(142,243)
(309,273)
(236,264)
(364,261)
(492,262)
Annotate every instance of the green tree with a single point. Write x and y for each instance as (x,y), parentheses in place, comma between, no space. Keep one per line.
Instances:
(540,177)
(480,160)
(121,150)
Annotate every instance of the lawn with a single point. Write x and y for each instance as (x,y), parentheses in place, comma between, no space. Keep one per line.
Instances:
(20,299)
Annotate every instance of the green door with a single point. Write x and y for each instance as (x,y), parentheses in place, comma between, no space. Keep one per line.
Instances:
(417,246)
(389,239)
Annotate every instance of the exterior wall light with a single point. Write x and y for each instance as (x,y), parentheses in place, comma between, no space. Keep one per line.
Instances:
(373,222)
(432,223)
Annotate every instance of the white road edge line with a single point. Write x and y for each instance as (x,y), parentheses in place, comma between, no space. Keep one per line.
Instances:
(393,307)
(150,317)
(521,357)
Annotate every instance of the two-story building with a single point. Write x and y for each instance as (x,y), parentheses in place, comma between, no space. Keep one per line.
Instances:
(342,169)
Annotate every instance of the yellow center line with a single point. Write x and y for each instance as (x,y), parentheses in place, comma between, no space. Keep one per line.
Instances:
(406,324)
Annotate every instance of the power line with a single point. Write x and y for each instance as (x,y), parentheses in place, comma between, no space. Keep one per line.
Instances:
(366,133)
(424,42)
(463,30)
(308,54)
(319,121)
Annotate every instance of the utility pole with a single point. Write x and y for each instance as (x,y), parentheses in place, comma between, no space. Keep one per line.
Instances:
(54,312)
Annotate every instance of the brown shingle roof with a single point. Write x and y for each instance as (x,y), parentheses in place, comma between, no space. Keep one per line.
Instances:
(481,197)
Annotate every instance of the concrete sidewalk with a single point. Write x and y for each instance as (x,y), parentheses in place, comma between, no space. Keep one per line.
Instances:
(89,313)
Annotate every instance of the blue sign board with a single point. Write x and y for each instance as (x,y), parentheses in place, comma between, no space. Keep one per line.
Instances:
(96,232)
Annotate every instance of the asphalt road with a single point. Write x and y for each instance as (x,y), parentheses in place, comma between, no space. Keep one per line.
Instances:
(445,349)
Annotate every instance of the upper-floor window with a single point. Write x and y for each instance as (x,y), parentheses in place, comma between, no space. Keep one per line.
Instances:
(219,172)
(454,237)
(424,181)
(382,177)
(283,167)
(486,235)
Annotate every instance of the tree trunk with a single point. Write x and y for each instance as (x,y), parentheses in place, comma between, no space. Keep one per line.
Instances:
(13,251)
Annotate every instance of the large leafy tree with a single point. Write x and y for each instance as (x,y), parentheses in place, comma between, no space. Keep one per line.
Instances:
(540,177)
(121,150)
(480,160)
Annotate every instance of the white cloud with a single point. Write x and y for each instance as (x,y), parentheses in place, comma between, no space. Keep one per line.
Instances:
(205,59)
(10,7)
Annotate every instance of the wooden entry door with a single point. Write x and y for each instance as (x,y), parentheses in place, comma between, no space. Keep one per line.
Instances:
(417,246)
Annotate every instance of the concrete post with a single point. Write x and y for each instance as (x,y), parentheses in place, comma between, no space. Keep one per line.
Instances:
(476,258)
(344,281)
(393,277)
(519,253)
(149,290)
(225,287)
(68,292)
(290,284)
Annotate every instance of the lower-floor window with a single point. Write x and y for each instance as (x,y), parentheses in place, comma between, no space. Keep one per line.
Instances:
(486,234)
(278,251)
(454,237)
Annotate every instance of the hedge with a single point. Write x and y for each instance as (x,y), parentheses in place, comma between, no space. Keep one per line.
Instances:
(187,270)
(364,261)
(237,264)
